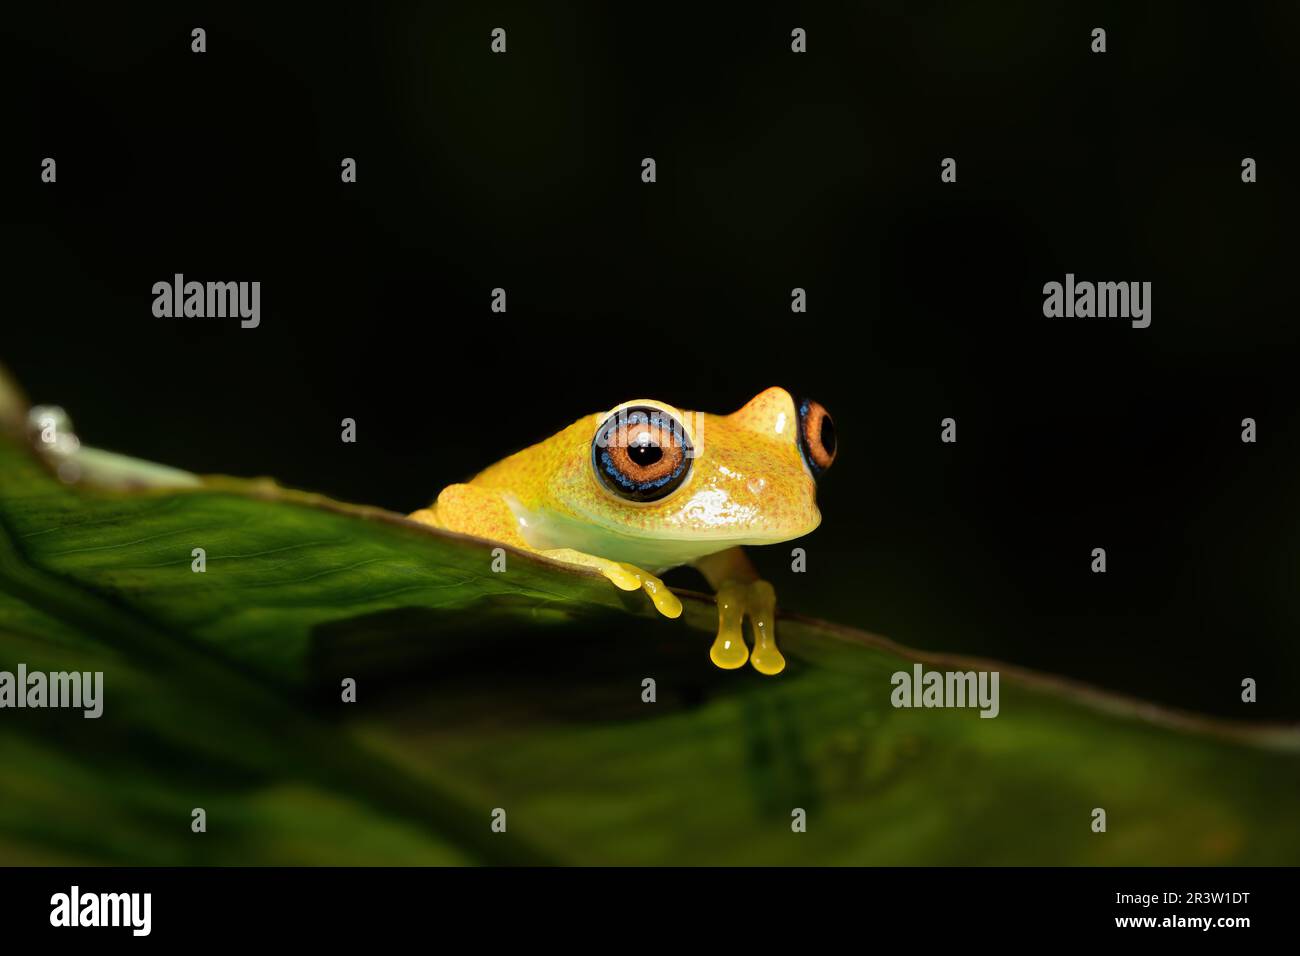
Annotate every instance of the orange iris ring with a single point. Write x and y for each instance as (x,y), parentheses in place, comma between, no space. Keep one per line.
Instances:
(639,427)
(811,418)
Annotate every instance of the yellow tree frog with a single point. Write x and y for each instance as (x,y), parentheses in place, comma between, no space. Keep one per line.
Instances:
(645,487)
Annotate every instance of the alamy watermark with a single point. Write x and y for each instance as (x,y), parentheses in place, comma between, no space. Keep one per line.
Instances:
(922,688)
(75,908)
(208,300)
(83,690)
(1100,300)
(639,425)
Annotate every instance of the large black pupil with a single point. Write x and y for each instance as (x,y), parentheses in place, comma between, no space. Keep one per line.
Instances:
(645,455)
(828,435)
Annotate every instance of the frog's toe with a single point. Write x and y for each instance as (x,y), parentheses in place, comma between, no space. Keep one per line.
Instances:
(628,577)
(762,615)
(665,601)
(623,576)
(757,599)
(729,650)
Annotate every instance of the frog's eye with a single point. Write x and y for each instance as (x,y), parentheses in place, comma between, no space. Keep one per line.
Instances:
(816,436)
(641,453)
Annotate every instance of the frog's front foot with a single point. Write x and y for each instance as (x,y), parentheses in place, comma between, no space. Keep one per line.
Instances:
(627,577)
(757,600)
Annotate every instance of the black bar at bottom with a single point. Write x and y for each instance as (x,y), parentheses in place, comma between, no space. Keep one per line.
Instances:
(334,906)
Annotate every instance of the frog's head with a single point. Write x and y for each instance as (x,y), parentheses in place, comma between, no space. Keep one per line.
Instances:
(653,471)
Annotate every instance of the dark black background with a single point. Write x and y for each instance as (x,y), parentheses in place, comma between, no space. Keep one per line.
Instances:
(775,170)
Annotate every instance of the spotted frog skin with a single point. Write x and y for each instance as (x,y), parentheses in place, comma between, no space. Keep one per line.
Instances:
(645,487)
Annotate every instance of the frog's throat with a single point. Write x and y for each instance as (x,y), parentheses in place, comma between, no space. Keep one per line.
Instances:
(544,530)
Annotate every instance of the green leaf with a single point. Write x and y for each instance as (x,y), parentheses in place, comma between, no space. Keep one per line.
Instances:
(522,691)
